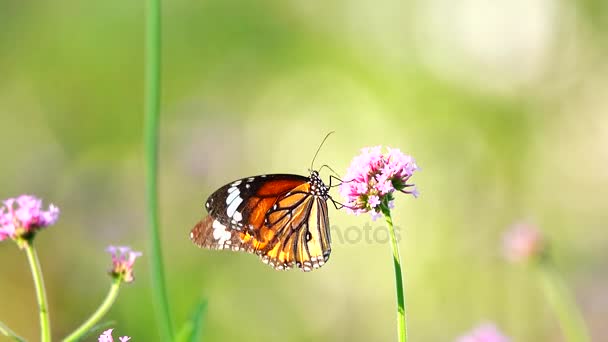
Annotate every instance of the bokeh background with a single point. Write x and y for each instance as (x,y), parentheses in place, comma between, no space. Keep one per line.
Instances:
(502,103)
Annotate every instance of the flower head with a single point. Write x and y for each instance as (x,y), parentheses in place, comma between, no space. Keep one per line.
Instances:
(23,216)
(106,336)
(484,333)
(373,177)
(523,242)
(123,259)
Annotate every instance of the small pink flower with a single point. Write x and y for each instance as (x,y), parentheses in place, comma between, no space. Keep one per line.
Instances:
(106,336)
(23,216)
(484,333)
(373,201)
(123,258)
(523,242)
(373,177)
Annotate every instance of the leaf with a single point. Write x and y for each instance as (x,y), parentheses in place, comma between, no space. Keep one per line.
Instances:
(97,329)
(192,329)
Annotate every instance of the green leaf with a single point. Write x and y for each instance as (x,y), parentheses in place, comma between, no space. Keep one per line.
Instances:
(97,329)
(192,329)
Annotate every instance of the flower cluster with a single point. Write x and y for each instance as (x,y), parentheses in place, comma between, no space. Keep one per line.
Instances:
(372,178)
(484,333)
(123,259)
(21,217)
(523,242)
(106,336)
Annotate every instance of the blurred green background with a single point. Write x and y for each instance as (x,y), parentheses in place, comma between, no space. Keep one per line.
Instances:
(502,103)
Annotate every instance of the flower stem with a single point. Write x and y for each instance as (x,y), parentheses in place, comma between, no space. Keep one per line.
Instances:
(151,135)
(6,331)
(401,317)
(43,307)
(98,314)
(562,303)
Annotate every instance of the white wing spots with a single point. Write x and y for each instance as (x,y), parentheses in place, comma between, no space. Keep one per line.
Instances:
(236,183)
(233,206)
(250,179)
(220,233)
(232,195)
(263,176)
(207,205)
(191,235)
(247,186)
(237,216)
(231,189)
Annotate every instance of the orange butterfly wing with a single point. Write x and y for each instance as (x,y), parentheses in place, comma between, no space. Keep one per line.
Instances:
(279,217)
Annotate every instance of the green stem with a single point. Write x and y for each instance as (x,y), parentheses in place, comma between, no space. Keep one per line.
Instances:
(151,132)
(43,307)
(562,303)
(6,331)
(401,317)
(97,315)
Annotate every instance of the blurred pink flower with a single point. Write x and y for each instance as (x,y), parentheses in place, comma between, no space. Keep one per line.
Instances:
(106,336)
(523,242)
(123,258)
(373,177)
(23,216)
(484,333)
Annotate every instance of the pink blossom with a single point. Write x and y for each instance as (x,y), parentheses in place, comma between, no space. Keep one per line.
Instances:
(373,201)
(23,216)
(106,336)
(523,242)
(123,258)
(373,177)
(486,332)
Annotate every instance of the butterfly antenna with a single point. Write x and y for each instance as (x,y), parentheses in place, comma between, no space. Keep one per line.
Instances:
(319,149)
(330,169)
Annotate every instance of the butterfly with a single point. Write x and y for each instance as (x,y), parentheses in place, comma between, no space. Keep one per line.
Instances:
(283,218)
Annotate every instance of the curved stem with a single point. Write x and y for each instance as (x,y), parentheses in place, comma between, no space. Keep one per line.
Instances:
(98,314)
(43,308)
(401,317)
(562,303)
(6,331)
(151,135)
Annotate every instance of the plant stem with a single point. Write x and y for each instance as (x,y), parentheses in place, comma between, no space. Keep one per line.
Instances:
(98,314)
(6,331)
(401,317)
(562,303)
(151,137)
(43,307)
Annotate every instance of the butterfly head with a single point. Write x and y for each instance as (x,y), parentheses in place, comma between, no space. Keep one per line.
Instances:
(317,187)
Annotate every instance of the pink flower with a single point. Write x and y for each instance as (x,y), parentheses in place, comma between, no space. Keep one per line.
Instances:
(523,242)
(484,333)
(123,259)
(106,336)
(23,216)
(373,201)
(373,177)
